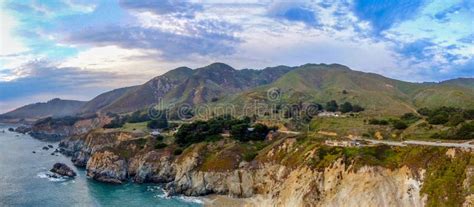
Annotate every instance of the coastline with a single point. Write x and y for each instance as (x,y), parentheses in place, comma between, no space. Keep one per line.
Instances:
(227,201)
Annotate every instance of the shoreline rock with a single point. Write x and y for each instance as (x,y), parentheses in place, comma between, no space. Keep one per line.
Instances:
(63,170)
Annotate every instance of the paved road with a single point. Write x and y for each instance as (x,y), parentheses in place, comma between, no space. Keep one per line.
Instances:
(425,143)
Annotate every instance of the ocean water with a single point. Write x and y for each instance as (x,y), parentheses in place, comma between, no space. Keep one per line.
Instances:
(23,180)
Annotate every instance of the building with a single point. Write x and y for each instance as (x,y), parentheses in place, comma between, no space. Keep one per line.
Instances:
(155,133)
(342,143)
(329,114)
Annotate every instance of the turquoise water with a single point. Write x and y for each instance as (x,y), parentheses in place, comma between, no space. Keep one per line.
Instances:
(23,181)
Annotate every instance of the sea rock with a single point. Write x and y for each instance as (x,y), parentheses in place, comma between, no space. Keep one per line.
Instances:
(50,146)
(45,148)
(23,129)
(63,170)
(11,129)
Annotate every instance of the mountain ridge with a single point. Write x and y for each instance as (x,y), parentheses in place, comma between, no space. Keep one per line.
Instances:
(221,83)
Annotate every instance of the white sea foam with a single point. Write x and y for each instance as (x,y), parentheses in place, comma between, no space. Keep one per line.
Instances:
(191,199)
(49,176)
(163,194)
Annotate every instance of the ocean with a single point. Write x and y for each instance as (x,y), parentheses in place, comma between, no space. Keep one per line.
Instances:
(23,180)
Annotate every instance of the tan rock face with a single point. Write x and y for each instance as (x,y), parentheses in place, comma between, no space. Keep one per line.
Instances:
(264,182)
(107,167)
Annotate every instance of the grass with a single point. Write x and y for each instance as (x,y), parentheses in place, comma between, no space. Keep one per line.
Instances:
(129,127)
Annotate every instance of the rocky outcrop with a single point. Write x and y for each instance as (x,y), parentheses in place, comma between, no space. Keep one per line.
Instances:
(52,130)
(116,157)
(63,170)
(23,129)
(107,167)
(152,167)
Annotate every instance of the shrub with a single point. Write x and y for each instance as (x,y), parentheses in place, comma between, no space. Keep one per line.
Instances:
(466,131)
(178,151)
(424,111)
(378,122)
(249,156)
(138,116)
(441,118)
(346,107)
(409,117)
(357,108)
(160,145)
(160,123)
(332,106)
(398,124)
(239,131)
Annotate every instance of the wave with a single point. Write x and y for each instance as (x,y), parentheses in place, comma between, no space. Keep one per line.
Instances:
(51,177)
(165,195)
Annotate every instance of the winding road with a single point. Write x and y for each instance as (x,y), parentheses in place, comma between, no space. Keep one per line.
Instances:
(465,145)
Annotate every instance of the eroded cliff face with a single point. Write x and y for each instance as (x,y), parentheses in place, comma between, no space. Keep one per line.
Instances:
(49,130)
(266,181)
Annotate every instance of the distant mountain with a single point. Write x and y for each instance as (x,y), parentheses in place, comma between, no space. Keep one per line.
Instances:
(55,108)
(463,82)
(219,83)
(202,85)
(105,99)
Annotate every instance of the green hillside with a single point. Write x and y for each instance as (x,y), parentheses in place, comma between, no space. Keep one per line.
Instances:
(322,83)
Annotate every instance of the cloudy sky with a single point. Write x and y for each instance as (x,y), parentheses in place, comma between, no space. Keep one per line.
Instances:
(77,49)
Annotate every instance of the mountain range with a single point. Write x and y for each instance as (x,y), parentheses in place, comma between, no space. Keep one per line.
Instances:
(220,83)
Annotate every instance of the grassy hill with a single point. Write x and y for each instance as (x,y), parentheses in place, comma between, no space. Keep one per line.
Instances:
(322,83)
(219,83)
(462,82)
(202,85)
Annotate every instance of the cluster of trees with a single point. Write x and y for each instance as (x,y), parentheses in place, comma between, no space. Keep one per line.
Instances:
(346,107)
(402,123)
(449,116)
(199,131)
(246,132)
(118,121)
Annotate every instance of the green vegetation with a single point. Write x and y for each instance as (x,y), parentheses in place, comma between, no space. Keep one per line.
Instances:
(332,106)
(398,124)
(160,145)
(159,123)
(378,122)
(240,129)
(178,151)
(466,131)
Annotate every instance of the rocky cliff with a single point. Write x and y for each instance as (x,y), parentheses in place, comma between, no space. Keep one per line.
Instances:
(285,172)
(55,129)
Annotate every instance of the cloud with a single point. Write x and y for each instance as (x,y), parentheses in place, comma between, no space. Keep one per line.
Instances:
(10,43)
(383,14)
(170,45)
(39,77)
(294,12)
(161,7)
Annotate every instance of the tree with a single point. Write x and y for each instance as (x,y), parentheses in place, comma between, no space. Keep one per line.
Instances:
(332,106)
(259,132)
(346,107)
(466,131)
(160,123)
(239,131)
(424,111)
(357,108)
(440,118)
(398,124)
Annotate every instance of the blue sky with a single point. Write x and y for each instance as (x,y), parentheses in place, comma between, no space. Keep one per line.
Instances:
(77,49)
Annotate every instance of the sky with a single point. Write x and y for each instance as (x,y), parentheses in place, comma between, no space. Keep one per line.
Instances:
(75,49)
